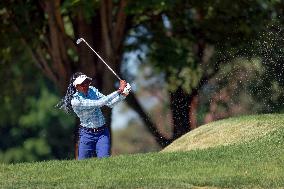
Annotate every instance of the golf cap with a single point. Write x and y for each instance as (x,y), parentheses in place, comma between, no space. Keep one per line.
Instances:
(80,79)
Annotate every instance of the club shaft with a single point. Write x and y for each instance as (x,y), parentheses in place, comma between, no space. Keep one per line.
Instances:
(102,60)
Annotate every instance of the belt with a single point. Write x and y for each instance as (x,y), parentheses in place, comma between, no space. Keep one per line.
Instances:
(94,130)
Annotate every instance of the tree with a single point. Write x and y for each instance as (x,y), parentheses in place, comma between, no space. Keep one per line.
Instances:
(191,44)
(188,39)
(48,30)
(30,128)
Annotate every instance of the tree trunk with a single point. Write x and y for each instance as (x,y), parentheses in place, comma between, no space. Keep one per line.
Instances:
(193,111)
(108,87)
(61,64)
(152,128)
(105,33)
(88,60)
(180,107)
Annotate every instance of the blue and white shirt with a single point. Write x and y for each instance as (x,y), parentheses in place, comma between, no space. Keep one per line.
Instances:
(87,107)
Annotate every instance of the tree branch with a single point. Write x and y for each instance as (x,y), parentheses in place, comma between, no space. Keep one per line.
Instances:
(36,55)
(106,30)
(57,37)
(120,22)
(45,64)
(109,11)
(133,103)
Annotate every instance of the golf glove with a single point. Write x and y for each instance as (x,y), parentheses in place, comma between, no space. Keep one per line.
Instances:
(127,89)
(122,85)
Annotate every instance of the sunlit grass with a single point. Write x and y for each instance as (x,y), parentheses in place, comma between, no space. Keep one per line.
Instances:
(230,131)
(256,163)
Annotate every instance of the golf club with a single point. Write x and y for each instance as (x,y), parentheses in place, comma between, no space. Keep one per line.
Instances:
(82,39)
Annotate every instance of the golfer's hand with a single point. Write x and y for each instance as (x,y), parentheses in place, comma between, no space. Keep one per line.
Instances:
(126,90)
(122,85)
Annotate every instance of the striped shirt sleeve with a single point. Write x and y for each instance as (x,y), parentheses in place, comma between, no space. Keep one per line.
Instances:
(114,101)
(94,103)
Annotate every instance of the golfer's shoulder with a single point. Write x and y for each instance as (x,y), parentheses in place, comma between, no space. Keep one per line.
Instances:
(94,89)
(76,99)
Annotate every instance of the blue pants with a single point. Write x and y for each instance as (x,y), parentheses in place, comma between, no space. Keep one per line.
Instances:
(94,144)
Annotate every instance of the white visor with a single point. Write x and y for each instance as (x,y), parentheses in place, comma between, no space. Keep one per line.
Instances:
(80,79)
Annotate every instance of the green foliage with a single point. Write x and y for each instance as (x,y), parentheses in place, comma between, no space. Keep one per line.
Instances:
(43,132)
(175,38)
(33,149)
(195,42)
(241,87)
(31,128)
(54,126)
(18,80)
(41,110)
(172,32)
(21,19)
(71,7)
(256,164)
(175,58)
(142,10)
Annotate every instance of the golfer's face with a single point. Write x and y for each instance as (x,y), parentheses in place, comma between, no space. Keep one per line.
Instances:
(84,87)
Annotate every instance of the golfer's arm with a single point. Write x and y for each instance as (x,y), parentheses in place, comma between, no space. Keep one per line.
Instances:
(114,101)
(95,103)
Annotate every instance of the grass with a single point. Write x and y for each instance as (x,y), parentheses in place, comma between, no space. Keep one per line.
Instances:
(229,131)
(257,162)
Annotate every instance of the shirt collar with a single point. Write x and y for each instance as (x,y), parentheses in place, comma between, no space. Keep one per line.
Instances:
(82,94)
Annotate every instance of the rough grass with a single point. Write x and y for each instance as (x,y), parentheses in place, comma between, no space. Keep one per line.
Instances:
(257,162)
(226,132)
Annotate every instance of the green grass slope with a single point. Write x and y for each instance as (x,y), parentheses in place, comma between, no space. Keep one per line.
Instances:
(251,162)
(227,132)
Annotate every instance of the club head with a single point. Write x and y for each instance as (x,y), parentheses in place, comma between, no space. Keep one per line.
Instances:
(79,40)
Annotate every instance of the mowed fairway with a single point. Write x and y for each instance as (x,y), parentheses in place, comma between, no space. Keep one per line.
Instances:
(244,152)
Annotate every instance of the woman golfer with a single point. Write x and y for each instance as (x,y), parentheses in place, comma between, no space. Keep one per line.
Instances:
(85,101)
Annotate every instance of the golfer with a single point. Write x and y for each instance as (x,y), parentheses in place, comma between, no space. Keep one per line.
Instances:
(85,101)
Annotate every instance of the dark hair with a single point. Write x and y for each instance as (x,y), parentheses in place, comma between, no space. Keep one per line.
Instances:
(65,102)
